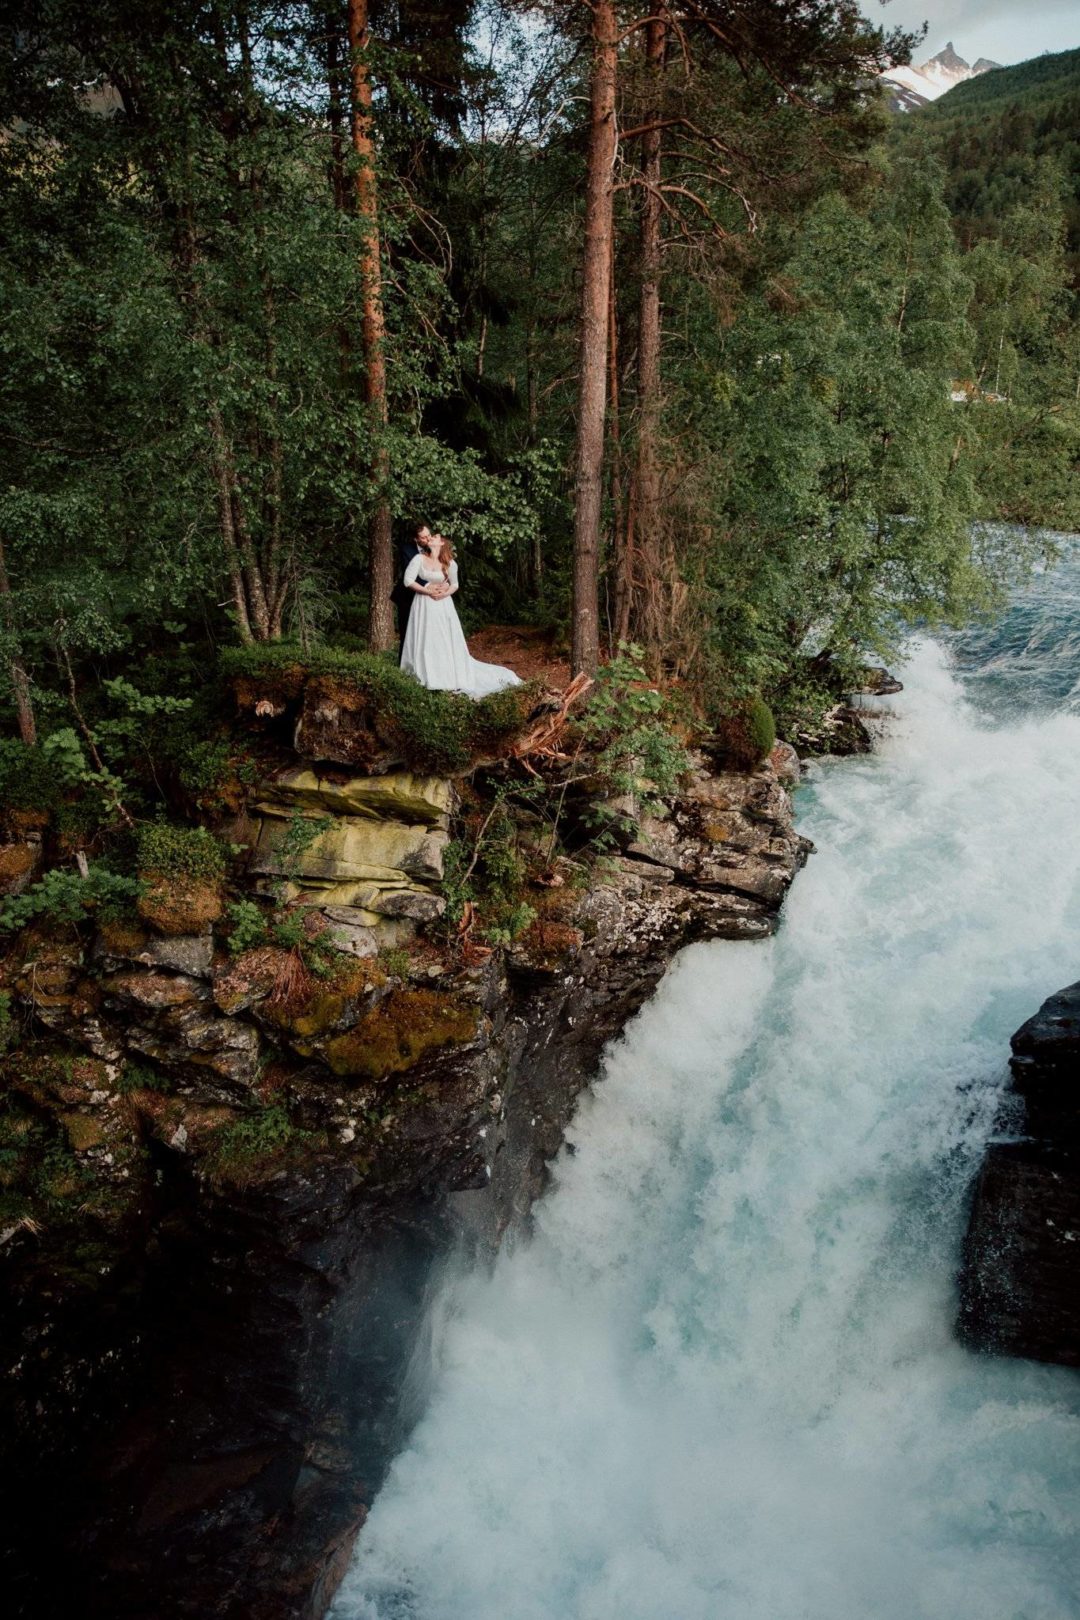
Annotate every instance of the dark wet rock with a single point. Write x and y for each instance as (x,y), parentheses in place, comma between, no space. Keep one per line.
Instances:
(875,681)
(413,903)
(1020,1279)
(843,730)
(191,954)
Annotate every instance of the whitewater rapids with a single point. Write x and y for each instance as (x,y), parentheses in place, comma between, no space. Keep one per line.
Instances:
(721,1382)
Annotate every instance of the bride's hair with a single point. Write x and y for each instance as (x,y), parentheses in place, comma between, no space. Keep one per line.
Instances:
(446,555)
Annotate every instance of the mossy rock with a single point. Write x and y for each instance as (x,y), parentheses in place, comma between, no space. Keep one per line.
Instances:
(120,937)
(177,905)
(745,736)
(83,1131)
(322,1005)
(399,795)
(351,850)
(397,1033)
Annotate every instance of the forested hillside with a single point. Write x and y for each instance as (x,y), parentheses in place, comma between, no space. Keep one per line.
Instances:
(648,315)
(1010,145)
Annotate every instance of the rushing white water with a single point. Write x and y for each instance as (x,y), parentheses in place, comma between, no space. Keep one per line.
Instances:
(721,1383)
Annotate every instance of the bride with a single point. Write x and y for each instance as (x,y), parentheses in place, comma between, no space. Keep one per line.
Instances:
(434,648)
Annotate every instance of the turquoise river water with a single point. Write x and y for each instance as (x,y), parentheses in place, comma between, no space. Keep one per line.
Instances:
(720,1382)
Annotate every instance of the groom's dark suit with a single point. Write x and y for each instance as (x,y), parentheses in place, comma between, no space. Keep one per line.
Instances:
(401,595)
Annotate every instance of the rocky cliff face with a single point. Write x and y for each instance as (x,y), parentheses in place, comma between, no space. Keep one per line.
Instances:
(1020,1283)
(208,1385)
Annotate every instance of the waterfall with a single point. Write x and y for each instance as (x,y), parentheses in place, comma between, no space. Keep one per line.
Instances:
(720,1381)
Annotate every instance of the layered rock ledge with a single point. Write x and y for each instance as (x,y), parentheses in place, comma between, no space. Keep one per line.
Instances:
(1020,1279)
(205,1406)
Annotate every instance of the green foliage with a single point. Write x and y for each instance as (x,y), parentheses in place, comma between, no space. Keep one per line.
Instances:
(747,733)
(67,898)
(142,1077)
(9,1028)
(300,833)
(247,926)
(395,961)
(165,849)
(28,777)
(628,724)
(263,1134)
(489,872)
(205,766)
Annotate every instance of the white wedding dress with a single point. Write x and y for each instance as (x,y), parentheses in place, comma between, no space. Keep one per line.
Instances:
(435,650)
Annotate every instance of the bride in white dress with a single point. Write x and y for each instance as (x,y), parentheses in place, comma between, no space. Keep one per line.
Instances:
(434,649)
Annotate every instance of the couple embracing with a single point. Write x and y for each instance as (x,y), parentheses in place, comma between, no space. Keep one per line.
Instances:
(433,644)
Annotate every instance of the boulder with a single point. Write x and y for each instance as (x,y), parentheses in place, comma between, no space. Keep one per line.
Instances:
(351,850)
(191,954)
(351,938)
(399,796)
(19,863)
(1020,1278)
(417,904)
(180,905)
(194,1037)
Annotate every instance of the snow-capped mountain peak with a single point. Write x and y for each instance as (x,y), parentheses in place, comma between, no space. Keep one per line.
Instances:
(911,87)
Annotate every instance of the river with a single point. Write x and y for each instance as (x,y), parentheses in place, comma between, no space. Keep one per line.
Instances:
(720,1382)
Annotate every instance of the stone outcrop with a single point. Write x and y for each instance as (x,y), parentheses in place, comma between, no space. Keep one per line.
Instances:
(374,857)
(234,1388)
(1020,1281)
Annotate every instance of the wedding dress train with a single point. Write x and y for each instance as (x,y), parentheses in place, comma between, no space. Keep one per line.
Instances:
(435,650)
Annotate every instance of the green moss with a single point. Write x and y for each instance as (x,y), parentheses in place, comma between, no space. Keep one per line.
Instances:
(399,1031)
(439,732)
(255,1144)
(320,1003)
(167,850)
(745,735)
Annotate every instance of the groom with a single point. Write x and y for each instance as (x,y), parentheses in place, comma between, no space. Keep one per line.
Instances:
(402,595)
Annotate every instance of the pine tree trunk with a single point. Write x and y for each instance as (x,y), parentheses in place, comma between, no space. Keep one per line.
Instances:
(20,680)
(592,371)
(380,550)
(647,516)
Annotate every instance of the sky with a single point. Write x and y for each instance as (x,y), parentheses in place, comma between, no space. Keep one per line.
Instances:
(1006,31)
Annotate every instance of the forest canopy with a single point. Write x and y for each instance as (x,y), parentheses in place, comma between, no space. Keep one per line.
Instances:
(657,317)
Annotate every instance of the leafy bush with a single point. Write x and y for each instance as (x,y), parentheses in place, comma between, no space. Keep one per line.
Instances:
(628,722)
(746,734)
(28,779)
(254,1136)
(247,926)
(66,897)
(167,850)
(440,732)
(9,1029)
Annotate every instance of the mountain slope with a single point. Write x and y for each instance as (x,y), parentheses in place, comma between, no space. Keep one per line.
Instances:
(912,87)
(992,130)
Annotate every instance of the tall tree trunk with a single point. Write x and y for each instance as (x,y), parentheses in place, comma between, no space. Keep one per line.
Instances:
(592,369)
(20,680)
(380,551)
(644,564)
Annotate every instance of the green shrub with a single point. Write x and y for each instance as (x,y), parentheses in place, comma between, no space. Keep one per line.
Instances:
(9,1029)
(257,1135)
(167,850)
(28,778)
(745,735)
(247,926)
(628,723)
(66,897)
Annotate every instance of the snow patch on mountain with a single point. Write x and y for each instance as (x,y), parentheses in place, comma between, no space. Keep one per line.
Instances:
(912,87)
